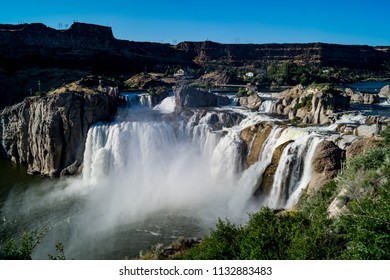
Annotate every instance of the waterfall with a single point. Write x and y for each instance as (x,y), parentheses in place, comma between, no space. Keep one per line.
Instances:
(293,173)
(137,99)
(156,168)
(266,106)
(166,106)
(158,163)
(146,100)
(252,176)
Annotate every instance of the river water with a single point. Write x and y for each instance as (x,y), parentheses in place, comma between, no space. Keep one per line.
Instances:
(29,203)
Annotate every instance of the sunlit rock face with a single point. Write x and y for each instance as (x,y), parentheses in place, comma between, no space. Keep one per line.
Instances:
(48,134)
(310,106)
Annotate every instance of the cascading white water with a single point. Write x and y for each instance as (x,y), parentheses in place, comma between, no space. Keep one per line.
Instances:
(293,173)
(133,148)
(266,106)
(146,100)
(252,176)
(148,164)
(166,106)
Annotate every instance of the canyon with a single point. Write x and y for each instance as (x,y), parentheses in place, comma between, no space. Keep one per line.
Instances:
(135,165)
(34,52)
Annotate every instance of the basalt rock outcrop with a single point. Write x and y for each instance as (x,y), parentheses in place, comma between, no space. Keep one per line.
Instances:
(92,48)
(48,134)
(187,97)
(254,138)
(352,56)
(310,106)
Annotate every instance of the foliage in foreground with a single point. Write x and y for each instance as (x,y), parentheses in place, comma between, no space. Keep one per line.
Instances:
(360,232)
(24,249)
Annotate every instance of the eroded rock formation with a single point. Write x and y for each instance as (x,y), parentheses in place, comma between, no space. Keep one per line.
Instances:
(365,98)
(310,106)
(48,134)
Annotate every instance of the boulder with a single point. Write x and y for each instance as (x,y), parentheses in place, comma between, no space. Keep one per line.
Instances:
(326,164)
(366,130)
(338,205)
(251,102)
(365,98)
(187,97)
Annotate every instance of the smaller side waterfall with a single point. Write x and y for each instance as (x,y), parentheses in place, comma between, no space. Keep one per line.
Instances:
(266,106)
(293,173)
(166,106)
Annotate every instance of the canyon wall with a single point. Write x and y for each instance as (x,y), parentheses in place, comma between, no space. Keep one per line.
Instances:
(48,134)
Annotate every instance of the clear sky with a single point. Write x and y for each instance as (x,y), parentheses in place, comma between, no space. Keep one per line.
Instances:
(241,21)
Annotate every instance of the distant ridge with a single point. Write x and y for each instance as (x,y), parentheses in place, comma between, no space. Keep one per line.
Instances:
(88,46)
(33,52)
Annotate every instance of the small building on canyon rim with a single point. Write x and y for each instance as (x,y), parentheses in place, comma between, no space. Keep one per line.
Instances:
(184,74)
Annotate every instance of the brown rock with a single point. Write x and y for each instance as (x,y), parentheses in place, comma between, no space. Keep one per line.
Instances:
(254,138)
(326,164)
(385,91)
(327,158)
(252,102)
(265,186)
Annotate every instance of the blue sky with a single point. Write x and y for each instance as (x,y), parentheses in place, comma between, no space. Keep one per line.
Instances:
(343,22)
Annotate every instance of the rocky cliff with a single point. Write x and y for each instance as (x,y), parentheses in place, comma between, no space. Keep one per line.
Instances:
(332,55)
(32,52)
(81,46)
(48,134)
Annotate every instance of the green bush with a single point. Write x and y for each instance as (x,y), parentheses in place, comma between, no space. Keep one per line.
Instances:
(367,226)
(372,159)
(23,251)
(222,244)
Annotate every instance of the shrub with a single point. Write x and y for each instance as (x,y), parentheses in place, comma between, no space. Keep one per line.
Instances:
(222,244)
(23,251)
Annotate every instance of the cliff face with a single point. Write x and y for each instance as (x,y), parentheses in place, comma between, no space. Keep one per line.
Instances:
(332,55)
(88,45)
(48,134)
(34,52)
